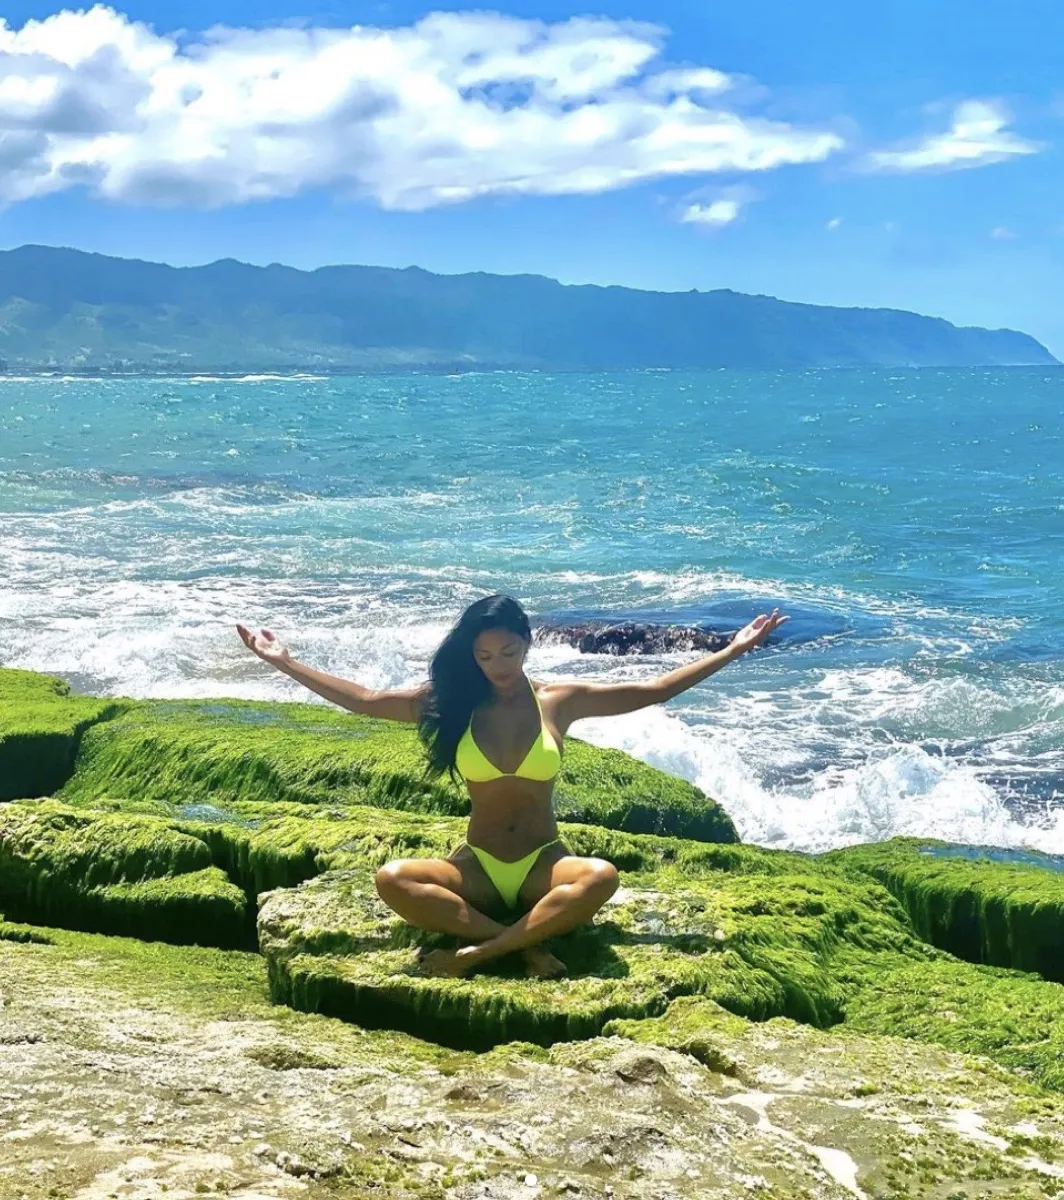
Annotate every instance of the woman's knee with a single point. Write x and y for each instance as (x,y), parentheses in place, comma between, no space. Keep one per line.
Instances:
(602,878)
(399,877)
(392,879)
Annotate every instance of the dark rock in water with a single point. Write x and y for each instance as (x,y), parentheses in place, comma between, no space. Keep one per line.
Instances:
(630,637)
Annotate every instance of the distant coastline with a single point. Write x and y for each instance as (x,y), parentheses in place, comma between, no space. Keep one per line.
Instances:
(73,313)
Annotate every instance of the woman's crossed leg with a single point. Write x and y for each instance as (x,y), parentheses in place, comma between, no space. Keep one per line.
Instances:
(451,895)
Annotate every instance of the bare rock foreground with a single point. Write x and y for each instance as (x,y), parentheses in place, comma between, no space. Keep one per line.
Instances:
(139,1070)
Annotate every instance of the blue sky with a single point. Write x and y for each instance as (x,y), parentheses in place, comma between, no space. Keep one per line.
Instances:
(901,154)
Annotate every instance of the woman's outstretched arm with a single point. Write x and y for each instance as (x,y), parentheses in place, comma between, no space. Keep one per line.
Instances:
(575,701)
(401,705)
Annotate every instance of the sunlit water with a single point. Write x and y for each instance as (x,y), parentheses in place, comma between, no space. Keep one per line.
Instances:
(910,522)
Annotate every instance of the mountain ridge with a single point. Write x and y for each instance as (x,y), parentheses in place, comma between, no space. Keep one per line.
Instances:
(68,309)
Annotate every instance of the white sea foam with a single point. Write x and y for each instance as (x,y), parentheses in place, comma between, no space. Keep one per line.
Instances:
(294,378)
(905,792)
(857,741)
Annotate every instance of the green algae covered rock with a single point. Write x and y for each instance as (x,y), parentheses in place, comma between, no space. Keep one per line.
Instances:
(221,751)
(115,874)
(701,927)
(1015,1018)
(693,1025)
(41,725)
(14,931)
(757,933)
(763,933)
(1000,907)
(973,1129)
(331,946)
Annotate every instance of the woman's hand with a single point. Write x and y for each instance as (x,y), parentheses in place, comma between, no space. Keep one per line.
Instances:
(268,647)
(756,632)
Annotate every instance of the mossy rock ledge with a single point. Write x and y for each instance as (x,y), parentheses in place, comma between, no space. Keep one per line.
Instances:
(762,933)
(108,865)
(41,727)
(118,873)
(984,904)
(331,946)
(226,750)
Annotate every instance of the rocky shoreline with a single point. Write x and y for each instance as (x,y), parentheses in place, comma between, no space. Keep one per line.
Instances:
(200,992)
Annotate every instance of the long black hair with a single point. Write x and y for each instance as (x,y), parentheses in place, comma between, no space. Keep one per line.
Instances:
(457,684)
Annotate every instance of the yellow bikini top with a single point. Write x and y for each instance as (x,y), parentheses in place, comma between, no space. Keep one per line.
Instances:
(542,762)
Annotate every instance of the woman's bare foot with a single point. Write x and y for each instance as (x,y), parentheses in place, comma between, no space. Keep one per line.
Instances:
(448,963)
(542,964)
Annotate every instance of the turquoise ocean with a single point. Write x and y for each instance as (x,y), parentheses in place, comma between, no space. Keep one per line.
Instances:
(911,522)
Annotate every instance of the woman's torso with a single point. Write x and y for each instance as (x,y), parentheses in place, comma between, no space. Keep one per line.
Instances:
(512,815)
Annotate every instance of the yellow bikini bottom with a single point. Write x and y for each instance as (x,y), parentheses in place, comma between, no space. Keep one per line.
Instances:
(509,876)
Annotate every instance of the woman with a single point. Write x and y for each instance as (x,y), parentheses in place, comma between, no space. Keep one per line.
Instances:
(481,717)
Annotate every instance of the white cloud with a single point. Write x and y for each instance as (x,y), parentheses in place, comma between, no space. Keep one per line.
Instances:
(716,214)
(714,208)
(977,137)
(1002,233)
(697,79)
(458,105)
(834,223)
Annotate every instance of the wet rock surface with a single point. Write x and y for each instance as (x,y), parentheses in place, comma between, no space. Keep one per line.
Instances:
(111,1085)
